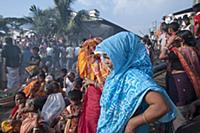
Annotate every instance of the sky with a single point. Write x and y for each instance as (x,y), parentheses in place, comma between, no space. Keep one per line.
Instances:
(134,15)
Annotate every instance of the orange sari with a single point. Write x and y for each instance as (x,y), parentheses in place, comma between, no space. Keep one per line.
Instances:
(39,91)
(84,58)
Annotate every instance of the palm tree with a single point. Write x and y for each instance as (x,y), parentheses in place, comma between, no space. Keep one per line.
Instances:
(43,20)
(65,14)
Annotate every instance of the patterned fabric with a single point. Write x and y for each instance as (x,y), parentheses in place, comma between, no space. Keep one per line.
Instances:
(196,21)
(127,84)
(90,66)
(190,62)
(84,58)
(36,88)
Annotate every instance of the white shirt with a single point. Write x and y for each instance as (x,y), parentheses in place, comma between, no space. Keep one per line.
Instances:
(70,52)
(69,86)
(50,51)
(76,51)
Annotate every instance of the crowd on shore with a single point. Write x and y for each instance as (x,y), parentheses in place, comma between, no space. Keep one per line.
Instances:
(110,87)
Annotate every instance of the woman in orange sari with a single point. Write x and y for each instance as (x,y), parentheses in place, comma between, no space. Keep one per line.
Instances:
(94,72)
(36,87)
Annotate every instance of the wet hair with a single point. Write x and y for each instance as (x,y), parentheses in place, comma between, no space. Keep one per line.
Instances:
(9,40)
(174,26)
(187,37)
(52,87)
(75,95)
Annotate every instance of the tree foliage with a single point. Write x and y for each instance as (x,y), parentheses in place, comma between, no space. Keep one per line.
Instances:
(60,20)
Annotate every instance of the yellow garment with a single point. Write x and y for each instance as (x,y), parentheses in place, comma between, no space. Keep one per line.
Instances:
(89,66)
(6,126)
(30,86)
(32,69)
(84,65)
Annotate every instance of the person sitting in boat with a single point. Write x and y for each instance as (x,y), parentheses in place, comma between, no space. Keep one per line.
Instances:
(14,122)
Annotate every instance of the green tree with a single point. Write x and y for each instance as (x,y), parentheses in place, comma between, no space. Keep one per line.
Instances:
(65,14)
(3,26)
(43,21)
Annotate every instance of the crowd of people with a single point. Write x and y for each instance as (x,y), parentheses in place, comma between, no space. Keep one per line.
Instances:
(111,89)
(23,56)
(106,93)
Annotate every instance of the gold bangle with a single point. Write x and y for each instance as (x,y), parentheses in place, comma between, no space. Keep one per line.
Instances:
(144,118)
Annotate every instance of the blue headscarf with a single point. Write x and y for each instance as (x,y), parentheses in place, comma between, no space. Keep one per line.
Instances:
(127,84)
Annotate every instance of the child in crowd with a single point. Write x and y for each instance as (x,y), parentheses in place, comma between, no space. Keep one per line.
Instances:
(72,112)
(77,84)
(14,122)
(69,82)
(62,76)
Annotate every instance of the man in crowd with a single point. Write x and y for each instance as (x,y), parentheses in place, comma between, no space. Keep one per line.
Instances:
(70,56)
(12,57)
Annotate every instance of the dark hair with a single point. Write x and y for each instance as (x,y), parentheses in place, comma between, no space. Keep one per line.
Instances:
(20,93)
(9,40)
(164,27)
(36,49)
(42,74)
(186,18)
(78,83)
(187,36)
(72,74)
(52,87)
(84,39)
(64,70)
(174,26)
(45,68)
(75,95)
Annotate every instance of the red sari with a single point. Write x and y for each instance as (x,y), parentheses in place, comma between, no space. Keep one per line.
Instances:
(190,61)
(91,111)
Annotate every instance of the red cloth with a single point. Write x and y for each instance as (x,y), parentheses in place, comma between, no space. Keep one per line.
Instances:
(14,110)
(196,21)
(190,62)
(91,111)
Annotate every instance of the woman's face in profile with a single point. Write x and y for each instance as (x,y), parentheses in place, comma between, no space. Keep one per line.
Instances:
(107,61)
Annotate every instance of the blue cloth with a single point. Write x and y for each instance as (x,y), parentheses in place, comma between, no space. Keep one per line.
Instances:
(127,83)
(26,56)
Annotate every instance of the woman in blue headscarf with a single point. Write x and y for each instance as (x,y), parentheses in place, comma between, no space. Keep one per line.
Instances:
(130,98)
